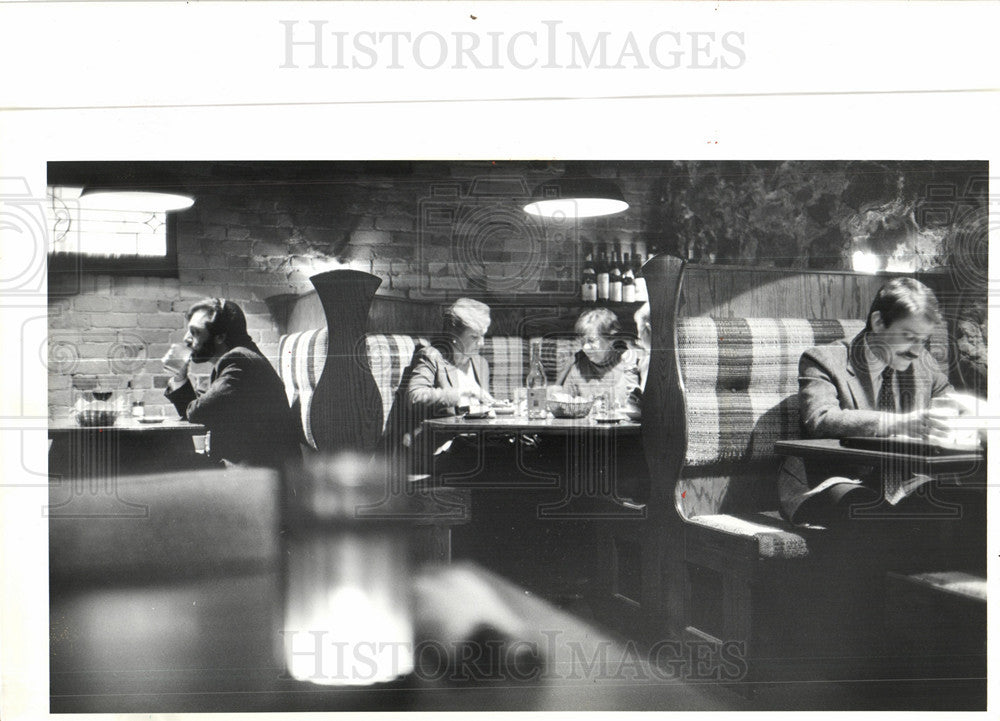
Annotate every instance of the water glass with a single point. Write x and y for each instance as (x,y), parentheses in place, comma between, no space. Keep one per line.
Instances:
(348,618)
(177,355)
(520,402)
(200,444)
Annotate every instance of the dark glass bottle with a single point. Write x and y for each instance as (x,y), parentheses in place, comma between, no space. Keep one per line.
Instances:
(588,284)
(628,280)
(602,275)
(641,295)
(615,277)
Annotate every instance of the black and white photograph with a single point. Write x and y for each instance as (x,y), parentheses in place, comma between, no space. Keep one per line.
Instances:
(613,435)
(349,394)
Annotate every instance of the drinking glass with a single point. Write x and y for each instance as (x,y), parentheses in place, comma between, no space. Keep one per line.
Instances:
(200,443)
(520,402)
(176,356)
(348,618)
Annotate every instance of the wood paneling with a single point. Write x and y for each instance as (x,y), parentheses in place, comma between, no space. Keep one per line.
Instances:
(728,292)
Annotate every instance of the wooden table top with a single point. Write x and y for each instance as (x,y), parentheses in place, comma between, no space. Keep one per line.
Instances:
(830,449)
(129,425)
(520,424)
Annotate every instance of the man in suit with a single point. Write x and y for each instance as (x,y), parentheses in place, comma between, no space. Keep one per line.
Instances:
(244,407)
(879,384)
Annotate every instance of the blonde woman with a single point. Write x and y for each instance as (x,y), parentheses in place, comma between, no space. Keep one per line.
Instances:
(443,378)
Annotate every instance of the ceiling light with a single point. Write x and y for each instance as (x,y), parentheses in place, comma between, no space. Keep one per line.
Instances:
(581,197)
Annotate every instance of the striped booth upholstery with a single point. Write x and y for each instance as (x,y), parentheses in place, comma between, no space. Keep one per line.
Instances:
(509,357)
(741,381)
(741,391)
(302,357)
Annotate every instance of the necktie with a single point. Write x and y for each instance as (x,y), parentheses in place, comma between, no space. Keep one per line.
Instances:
(886,398)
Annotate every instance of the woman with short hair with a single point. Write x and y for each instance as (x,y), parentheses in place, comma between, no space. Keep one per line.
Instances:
(606,361)
(443,377)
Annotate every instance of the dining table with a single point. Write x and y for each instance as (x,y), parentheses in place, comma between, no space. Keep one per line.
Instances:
(90,459)
(898,462)
(589,460)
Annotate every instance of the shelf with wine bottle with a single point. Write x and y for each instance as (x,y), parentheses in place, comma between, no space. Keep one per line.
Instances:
(612,279)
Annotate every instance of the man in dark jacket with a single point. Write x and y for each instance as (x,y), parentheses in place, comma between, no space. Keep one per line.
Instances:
(881,383)
(244,407)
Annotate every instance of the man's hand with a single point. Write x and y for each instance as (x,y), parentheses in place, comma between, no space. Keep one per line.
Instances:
(921,423)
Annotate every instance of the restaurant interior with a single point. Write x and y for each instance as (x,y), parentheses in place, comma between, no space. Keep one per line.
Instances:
(584,552)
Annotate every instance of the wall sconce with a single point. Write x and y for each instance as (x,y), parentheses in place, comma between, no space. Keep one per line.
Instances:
(133,200)
(578,197)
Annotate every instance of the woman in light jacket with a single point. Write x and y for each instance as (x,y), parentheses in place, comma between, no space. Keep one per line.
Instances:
(443,378)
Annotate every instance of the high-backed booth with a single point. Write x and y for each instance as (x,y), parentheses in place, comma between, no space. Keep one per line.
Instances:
(718,563)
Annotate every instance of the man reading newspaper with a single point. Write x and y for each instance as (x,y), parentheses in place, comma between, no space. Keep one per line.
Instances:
(883,383)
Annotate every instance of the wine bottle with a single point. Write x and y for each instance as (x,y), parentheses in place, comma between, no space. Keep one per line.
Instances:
(535,382)
(588,285)
(641,294)
(615,277)
(602,275)
(628,280)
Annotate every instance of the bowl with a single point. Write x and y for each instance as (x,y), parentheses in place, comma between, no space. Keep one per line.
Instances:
(565,406)
(504,409)
(96,417)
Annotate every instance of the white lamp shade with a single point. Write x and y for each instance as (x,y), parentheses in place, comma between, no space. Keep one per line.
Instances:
(575,207)
(138,200)
(579,197)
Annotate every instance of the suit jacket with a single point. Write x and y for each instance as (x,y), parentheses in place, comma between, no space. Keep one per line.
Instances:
(837,400)
(428,389)
(245,409)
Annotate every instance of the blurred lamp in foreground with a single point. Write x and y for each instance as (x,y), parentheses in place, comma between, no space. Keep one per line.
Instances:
(582,197)
(347,615)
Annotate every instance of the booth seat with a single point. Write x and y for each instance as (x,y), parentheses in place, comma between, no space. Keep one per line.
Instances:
(740,379)
(303,354)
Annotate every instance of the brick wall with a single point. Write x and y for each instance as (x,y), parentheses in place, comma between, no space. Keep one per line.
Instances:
(423,234)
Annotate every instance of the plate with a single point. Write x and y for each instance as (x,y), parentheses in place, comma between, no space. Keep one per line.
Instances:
(478,415)
(608,419)
(151,420)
